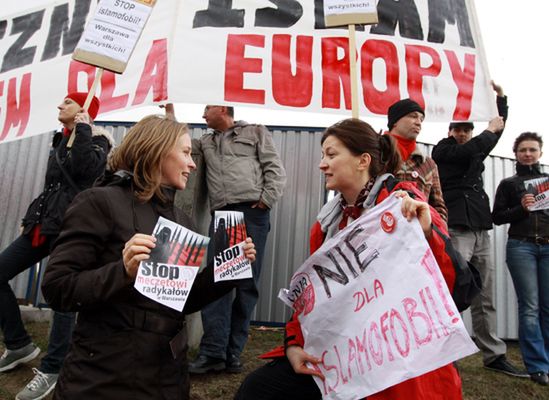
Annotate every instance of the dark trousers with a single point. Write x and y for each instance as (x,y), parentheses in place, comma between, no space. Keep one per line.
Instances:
(278,381)
(226,322)
(16,258)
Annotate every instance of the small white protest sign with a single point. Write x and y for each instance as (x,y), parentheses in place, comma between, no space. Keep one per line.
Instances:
(347,12)
(169,273)
(166,284)
(112,33)
(374,306)
(230,263)
(539,187)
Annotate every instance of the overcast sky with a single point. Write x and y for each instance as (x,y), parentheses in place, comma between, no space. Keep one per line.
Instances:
(514,35)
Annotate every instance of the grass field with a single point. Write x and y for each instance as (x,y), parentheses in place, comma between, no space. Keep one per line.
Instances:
(478,383)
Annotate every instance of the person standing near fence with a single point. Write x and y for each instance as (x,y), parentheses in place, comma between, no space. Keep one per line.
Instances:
(359,164)
(404,120)
(528,252)
(243,173)
(69,170)
(460,159)
(127,345)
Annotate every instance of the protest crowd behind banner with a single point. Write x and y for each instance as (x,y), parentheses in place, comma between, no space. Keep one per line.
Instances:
(278,57)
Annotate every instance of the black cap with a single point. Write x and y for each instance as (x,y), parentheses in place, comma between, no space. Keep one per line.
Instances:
(464,125)
(400,109)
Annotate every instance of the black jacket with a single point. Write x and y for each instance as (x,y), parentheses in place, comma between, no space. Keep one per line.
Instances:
(121,343)
(508,209)
(84,163)
(460,168)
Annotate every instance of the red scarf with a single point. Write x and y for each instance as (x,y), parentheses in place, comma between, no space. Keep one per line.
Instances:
(355,210)
(405,146)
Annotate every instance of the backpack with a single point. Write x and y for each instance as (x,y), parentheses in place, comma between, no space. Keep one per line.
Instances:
(468,282)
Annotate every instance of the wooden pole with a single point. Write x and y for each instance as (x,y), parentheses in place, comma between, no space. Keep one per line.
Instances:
(86,105)
(353,75)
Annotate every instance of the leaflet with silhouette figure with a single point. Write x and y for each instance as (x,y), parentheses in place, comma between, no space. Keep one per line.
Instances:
(539,187)
(168,275)
(230,263)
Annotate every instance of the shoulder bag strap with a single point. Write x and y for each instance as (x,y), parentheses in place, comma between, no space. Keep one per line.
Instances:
(65,173)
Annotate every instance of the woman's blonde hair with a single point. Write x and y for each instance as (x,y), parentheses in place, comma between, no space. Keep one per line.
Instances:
(142,150)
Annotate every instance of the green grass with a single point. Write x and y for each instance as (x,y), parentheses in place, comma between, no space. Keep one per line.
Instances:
(478,383)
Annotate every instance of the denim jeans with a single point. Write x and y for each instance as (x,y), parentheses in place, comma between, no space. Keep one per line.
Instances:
(528,264)
(226,323)
(16,258)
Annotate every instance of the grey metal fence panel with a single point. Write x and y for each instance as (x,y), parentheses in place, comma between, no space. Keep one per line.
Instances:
(22,173)
(22,170)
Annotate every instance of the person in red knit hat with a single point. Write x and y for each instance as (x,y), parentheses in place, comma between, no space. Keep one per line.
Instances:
(69,171)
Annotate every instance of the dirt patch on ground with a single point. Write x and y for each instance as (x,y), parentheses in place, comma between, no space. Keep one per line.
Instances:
(478,383)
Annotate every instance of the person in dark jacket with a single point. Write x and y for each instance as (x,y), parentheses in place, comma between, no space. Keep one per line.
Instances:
(404,120)
(528,251)
(69,170)
(460,159)
(126,345)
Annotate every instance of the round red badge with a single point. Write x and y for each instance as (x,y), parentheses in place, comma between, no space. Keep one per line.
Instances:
(388,222)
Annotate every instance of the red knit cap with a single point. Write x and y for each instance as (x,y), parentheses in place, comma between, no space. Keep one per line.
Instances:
(80,98)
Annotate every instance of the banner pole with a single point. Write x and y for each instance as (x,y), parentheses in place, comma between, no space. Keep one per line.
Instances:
(353,75)
(86,105)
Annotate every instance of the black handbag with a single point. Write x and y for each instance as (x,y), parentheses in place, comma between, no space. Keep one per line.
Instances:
(468,283)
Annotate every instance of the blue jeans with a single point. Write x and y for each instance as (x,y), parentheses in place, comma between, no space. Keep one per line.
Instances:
(226,324)
(528,264)
(16,258)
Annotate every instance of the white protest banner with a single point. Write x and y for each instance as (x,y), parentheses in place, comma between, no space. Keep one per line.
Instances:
(168,275)
(374,306)
(112,33)
(539,187)
(346,12)
(37,71)
(230,263)
(278,57)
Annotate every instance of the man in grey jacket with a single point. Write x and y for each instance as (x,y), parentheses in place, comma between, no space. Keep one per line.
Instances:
(243,173)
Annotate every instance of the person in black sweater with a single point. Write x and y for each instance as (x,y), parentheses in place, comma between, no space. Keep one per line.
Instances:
(528,251)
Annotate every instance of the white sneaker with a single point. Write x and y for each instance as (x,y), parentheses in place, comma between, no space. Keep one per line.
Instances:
(39,387)
(12,358)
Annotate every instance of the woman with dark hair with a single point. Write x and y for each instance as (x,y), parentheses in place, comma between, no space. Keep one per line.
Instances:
(528,251)
(358,164)
(125,345)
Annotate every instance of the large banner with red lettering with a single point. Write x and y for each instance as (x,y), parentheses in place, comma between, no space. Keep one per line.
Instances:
(374,307)
(273,54)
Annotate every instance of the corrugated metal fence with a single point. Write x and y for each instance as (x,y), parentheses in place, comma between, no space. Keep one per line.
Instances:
(22,170)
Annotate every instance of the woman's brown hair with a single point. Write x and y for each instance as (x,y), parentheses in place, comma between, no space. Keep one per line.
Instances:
(359,137)
(527,136)
(142,150)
